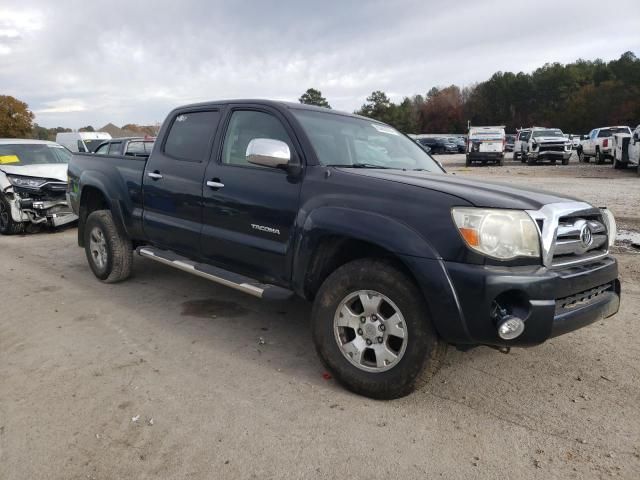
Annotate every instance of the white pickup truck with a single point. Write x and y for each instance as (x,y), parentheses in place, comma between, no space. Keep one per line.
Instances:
(626,149)
(599,143)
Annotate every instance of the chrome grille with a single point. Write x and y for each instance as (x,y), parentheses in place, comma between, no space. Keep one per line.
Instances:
(571,233)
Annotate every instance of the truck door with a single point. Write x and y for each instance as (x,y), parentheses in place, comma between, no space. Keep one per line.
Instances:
(634,147)
(249,210)
(173,178)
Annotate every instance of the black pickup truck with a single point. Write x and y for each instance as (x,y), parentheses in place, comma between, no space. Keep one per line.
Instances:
(399,258)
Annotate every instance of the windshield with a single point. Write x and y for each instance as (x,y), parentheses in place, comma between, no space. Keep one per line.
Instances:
(344,141)
(608,132)
(547,133)
(33,154)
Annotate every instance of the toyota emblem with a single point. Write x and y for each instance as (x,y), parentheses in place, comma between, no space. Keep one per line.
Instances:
(586,237)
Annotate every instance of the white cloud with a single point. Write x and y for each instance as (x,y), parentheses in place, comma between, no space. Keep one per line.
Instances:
(74,66)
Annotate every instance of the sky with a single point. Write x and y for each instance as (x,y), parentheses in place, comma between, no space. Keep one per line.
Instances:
(79,63)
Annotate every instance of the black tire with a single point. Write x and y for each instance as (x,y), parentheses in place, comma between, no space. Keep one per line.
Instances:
(467,162)
(117,250)
(8,226)
(531,161)
(515,155)
(501,161)
(617,164)
(582,158)
(565,161)
(423,352)
(599,158)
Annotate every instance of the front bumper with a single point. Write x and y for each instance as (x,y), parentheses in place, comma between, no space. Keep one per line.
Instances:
(52,211)
(550,155)
(550,301)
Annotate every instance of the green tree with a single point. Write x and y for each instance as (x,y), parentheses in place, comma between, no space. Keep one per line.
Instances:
(15,118)
(314,97)
(88,128)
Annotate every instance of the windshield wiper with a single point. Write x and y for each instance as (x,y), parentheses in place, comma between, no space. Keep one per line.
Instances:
(359,165)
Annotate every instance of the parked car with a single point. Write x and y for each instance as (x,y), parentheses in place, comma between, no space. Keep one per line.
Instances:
(520,145)
(130,146)
(459,142)
(626,149)
(485,144)
(546,144)
(510,141)
(439,145)
(599,144)
(33,182)
(399,259)
(81,141)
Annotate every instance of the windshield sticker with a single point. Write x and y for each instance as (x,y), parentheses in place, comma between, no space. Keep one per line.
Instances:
(181,118)
(384,129)
(6,159)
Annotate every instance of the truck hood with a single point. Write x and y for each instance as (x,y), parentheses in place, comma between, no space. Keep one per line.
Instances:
(56,171)
(479,193)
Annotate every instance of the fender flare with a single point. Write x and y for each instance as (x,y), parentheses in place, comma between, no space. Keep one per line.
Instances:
(98,181)
(350,223)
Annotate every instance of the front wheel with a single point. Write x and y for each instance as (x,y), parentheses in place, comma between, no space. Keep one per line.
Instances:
(599,157)
(582,158)
(565,161)
(467,162)
(8,226)
(617,164)
(371,329)
(109,252)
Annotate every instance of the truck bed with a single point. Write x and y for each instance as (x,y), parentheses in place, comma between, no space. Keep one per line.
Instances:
(113,172)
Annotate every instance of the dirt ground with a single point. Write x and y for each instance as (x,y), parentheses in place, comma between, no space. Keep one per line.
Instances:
(169,376)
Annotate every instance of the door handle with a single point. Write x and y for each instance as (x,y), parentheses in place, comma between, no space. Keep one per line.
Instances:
(154,175)
(214,184)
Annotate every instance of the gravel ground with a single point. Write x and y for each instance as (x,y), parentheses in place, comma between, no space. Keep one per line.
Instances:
(169,376)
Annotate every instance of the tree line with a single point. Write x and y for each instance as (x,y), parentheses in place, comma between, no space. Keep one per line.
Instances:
(575,97)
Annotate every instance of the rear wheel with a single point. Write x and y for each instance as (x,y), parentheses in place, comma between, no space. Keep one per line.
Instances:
(599,157)
(371,329)
(8,226)
(109,253)
(467,162)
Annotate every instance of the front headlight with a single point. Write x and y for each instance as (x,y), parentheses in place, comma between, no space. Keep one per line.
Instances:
(612,228)
(27,182)
(501,234)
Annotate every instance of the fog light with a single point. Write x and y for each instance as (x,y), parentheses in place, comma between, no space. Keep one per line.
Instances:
(510,327)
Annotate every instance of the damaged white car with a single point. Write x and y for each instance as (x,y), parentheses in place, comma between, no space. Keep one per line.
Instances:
(33,185)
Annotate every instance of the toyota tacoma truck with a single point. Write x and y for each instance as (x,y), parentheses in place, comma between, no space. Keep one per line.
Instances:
(33,183)
(399,258)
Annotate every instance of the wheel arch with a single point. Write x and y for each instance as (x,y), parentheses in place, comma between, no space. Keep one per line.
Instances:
(333,236)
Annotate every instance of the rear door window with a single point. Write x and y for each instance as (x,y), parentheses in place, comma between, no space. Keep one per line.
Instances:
(190,135)
(115,148)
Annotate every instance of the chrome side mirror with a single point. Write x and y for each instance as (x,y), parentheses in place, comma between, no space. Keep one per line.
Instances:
(268,153)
